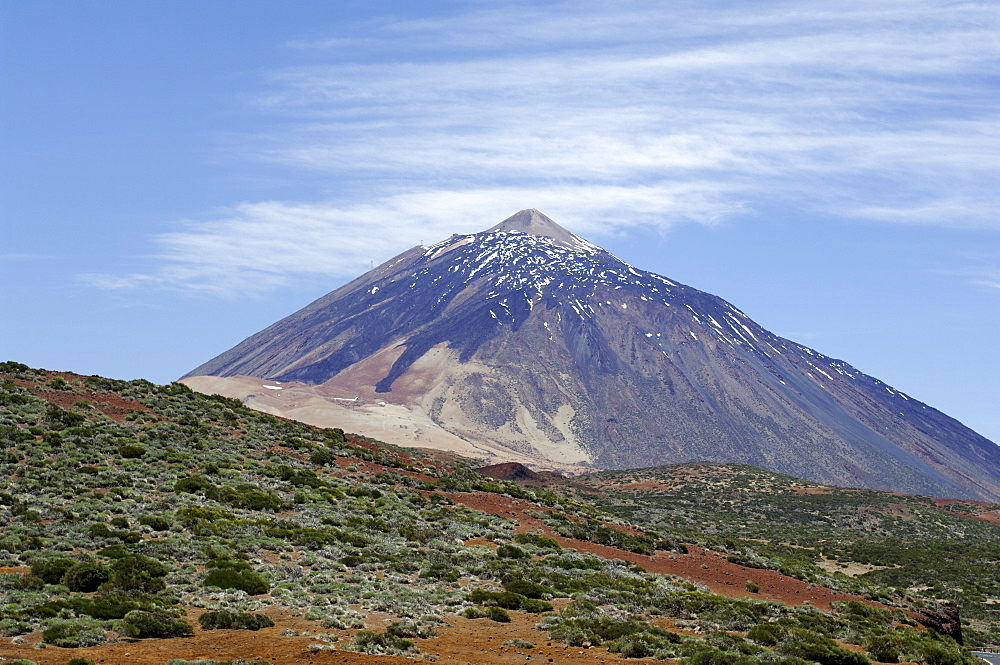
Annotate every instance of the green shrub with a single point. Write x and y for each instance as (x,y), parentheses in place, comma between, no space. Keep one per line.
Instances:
(537,540)
(243,580)
(101,607)
(192,485)
(224,619)
(100,530)
(248,497)
(442,572)
(132,451)
(155,522)
(86,577)
(765,634)
(80,661)
(137,573)
(74,633)
(410,628)
(809,645)
(529,589)
(322,457)
(368,641)
(104,607)
(885,648)
(498,614)
(713,656)
(509,600)
(51,570)
(153,624)
(508,551)
(114,552)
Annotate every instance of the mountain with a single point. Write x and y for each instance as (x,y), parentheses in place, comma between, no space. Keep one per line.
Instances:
(528,338)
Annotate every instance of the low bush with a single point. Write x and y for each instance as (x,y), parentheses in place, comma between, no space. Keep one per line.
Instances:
(600,629)
(537,540)
(643,644)
(155,522)
(498,614)
(137,573)
(86,577)
(322,457)
(491,612)
(51,570)
(509,600)
(243,580)
(227,620)
(153,624)
(765,634)
(132,451)
(368,641)
(104,608)
(529,589)
(411,628)
(812,646)
(508,551)
(74,633)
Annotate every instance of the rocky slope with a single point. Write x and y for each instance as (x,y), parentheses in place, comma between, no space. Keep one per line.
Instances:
(529,338)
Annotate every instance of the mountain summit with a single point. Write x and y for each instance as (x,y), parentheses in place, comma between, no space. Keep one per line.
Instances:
(533,222)
(527,338)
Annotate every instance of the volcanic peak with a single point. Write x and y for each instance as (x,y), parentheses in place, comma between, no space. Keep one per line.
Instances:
(535,223)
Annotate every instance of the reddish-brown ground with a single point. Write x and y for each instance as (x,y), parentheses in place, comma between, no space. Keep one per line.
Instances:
(710,569)
(462,642)
(973,510)
(110,404)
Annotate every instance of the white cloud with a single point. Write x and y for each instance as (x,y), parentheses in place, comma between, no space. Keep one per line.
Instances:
(256,247)
(647,114)
(988,277)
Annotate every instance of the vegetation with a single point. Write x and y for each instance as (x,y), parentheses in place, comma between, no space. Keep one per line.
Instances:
(126,508)
(910,550)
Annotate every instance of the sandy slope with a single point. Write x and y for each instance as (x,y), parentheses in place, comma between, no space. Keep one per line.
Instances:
(368,414)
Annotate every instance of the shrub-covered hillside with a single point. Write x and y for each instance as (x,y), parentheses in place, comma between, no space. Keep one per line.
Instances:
(883,545)
(147,524)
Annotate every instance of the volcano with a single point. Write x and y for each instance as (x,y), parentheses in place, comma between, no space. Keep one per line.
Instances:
(528,339)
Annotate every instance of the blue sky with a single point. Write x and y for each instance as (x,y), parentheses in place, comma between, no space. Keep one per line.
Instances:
(175,176)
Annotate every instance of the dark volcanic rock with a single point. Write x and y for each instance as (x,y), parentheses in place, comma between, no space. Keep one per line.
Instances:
(532,336)
(509,471)
(944,620)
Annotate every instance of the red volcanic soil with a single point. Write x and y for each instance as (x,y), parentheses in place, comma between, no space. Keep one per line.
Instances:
(110,404)
(699,566)
(462,642)
(974,510)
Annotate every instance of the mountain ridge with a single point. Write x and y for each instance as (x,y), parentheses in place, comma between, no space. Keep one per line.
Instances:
(527,334)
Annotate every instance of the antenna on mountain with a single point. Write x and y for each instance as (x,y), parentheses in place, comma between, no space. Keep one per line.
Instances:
(372,263)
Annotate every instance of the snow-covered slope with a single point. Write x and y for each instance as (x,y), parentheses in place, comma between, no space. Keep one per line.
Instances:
(529,335)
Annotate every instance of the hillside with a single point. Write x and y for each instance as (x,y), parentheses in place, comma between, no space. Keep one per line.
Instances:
(916,546)
(143,523)
(524,342)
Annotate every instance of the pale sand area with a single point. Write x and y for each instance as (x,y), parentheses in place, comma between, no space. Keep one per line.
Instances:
(368,415)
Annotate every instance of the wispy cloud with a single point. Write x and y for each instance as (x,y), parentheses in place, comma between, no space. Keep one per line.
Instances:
(257,247)
(988,277)
(653,114)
